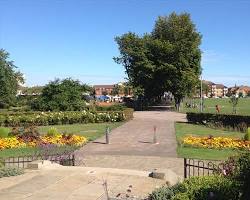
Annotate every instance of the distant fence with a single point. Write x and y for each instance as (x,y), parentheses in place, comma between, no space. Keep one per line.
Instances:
(194,167)
(22,161)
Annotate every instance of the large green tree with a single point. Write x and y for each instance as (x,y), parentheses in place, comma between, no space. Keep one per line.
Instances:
(61,95)
(167,59)
(10,79)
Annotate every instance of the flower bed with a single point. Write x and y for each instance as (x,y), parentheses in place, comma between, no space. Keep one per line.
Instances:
(36,141)
(217,142)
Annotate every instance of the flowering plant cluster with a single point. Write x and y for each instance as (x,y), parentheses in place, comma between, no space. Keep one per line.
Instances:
(37,141)
(56,118)
(217,142)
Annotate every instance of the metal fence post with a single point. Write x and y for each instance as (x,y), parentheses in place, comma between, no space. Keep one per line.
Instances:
(107,135)
(185,168)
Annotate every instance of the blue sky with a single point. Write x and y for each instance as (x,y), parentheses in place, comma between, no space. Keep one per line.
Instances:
(70,38)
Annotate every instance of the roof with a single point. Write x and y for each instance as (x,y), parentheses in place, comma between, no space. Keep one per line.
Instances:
(104,86)
(242,87)
(208,82)
(220,86)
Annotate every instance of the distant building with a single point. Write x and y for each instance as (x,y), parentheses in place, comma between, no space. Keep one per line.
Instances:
(240,90)
(215,90)
(116,91)
(29,91)
(102,89)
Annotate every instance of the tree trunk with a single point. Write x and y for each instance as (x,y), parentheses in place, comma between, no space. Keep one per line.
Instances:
(177,104)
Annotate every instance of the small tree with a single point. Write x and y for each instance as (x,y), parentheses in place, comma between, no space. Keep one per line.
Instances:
(234,101)
(61,95)
(241,95)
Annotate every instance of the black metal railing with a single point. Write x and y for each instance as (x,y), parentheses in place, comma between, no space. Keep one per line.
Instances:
(194,167)
(22,161)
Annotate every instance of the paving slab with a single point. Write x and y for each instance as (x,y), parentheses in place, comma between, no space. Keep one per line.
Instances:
(73,183)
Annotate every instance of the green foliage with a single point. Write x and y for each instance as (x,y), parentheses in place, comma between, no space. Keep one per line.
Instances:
(4,132)
(164,192)
(115,107)
(247,135)
(199,188)
(57,118)
(61,95)
(9,80)
(168,59)
(25,131)
(7,171)
(234,101)
(242,175)
(52,132)
(235,122)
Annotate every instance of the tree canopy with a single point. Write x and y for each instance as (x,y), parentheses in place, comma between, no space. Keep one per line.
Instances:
(167,59)
(61,95)
(9,80)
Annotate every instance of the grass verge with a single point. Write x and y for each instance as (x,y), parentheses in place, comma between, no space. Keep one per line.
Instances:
(185,129)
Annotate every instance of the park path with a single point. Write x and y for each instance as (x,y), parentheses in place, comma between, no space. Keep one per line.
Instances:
(131,145)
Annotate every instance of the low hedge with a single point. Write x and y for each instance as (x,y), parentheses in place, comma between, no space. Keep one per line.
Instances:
(231,122)
(57,118)
(115,107)
(199,188)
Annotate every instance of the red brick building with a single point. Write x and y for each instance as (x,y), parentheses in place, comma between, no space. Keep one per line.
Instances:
(101,89)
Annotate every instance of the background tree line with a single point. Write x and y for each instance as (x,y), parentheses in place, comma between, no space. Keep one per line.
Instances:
(57,95)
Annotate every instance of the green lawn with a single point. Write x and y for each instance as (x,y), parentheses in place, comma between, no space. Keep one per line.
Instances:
(243,107)
(91,131)
(185,129)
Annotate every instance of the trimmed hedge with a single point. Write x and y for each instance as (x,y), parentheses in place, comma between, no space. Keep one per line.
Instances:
(234,122)
(115,107)
(56,118)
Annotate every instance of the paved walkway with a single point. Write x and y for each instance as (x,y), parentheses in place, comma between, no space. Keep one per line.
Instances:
(76,183)
(131,145)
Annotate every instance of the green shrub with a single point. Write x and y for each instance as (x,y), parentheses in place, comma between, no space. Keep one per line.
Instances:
(52,132)
(115,107)
(235,122)
(247,135)
(164,192)
(9,171)
(4,132)
(199,188)
(211,187)
(242,175)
